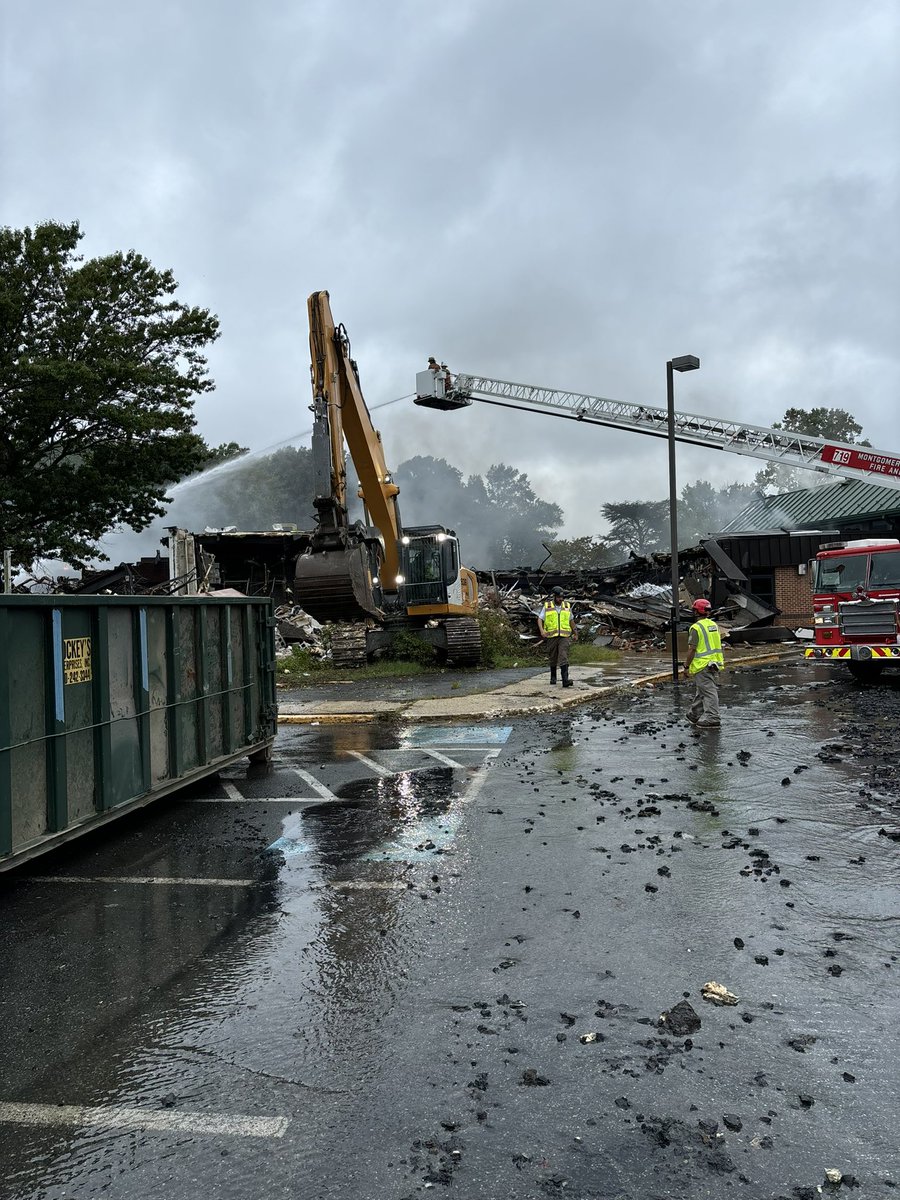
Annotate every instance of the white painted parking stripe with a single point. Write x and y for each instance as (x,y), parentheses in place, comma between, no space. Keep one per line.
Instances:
(230,790)
(146,879)
(480,776)
(254,800)
(164,1120)
(442,758)
(372,764)
(361,885)
(456,749)
(319,788)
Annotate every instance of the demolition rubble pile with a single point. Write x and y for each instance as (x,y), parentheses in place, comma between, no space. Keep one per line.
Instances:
(625,607)
(295,627)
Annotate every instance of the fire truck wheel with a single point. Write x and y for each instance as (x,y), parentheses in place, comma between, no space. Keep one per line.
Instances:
(866,672)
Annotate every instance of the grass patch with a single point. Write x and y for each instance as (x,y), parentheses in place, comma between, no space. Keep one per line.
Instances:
(301,670)
(583,654)
(501,648)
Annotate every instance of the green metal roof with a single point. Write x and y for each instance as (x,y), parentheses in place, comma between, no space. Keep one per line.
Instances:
(839,503)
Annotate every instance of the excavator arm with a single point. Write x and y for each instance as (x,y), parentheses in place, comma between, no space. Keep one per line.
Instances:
(341,414)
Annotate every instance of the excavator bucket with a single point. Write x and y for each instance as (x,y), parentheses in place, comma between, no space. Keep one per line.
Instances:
(338,585)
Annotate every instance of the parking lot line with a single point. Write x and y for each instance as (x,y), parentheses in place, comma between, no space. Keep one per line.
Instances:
(372,764)
(142,879)
(442,758)
(162,1120)
(319,788)
(254,800)
(362,885)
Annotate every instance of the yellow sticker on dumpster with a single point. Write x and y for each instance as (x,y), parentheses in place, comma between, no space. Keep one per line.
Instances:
(77,660)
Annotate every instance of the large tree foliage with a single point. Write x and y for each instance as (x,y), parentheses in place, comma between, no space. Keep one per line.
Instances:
(585,553)
(639,526)
(704,511)
(522,521)
(500,520)
(252,492)
(835,424)
(99,370)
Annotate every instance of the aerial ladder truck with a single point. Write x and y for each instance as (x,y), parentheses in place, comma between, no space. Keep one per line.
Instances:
(373,580)
(856,585)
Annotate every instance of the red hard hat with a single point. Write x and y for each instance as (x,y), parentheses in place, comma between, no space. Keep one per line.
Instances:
(701,606)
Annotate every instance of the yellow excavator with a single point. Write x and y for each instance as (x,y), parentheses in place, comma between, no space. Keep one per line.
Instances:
(375,580)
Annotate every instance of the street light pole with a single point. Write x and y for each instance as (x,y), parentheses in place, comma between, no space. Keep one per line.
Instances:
(687,362)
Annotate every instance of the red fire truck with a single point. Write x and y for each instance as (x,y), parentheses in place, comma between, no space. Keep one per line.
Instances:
(856,605)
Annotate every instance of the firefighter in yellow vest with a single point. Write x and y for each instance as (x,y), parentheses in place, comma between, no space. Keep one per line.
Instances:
(703,667)
(557,630)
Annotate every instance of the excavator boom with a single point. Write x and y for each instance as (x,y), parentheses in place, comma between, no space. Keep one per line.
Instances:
(376,580)
(348,567)
(336,390)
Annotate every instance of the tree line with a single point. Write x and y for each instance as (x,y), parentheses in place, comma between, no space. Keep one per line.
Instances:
(100,368)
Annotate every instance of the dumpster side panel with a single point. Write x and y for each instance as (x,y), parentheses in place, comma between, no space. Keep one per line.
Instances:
(238,677)
(77,682)
(158,669)
(186,712)
(126,772)
(211,651)
(107,702)
(24,689)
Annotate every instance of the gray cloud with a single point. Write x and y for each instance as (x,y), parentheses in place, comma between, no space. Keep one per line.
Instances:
(562,195)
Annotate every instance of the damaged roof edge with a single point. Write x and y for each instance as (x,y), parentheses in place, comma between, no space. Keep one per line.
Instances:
(726,565)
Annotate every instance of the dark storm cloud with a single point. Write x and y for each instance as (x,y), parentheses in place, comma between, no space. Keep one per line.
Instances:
(562,194)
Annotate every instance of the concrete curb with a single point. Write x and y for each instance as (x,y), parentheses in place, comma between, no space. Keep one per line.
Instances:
(477,712)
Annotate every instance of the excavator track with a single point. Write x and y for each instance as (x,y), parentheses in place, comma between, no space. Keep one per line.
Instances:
(348,644)
(463,641)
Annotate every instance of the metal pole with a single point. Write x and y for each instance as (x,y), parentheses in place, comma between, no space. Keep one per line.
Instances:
(673,516)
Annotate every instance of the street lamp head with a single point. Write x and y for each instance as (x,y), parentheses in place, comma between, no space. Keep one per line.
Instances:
(686,362)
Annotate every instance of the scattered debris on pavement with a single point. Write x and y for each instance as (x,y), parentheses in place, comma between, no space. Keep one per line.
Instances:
(681,1019)
(715,993)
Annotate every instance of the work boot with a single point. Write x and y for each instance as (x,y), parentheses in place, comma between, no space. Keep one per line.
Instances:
(553,677)
(567,682)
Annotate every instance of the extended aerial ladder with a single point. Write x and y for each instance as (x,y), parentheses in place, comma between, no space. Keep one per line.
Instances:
(446,391)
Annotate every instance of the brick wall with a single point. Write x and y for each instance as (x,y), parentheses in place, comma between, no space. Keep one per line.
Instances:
(793,595)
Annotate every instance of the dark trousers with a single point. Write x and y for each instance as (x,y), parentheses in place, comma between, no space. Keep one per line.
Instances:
(558,648)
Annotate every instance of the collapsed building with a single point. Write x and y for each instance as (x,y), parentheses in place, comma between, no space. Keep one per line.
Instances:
(624,606)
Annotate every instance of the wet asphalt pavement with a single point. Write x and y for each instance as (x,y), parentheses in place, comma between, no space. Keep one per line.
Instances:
(368,973)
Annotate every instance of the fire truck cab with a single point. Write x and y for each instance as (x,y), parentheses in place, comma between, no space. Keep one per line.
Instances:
(856,606)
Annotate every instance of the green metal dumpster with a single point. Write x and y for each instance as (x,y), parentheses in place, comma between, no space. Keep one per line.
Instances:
(108,702)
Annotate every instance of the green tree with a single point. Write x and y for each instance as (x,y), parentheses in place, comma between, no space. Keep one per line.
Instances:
(254,493)
(432,492)
(580,554)
(704,510)
(639,526)
(499,519)
(99,370)
(225,452)
(835,424)
(525,521)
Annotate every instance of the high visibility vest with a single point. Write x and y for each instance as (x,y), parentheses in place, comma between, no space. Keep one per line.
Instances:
(558,624)
(708,652)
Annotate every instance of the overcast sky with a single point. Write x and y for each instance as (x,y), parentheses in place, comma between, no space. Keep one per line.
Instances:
(564,194)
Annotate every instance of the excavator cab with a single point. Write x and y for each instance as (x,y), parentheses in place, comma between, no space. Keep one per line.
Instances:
(432,580)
